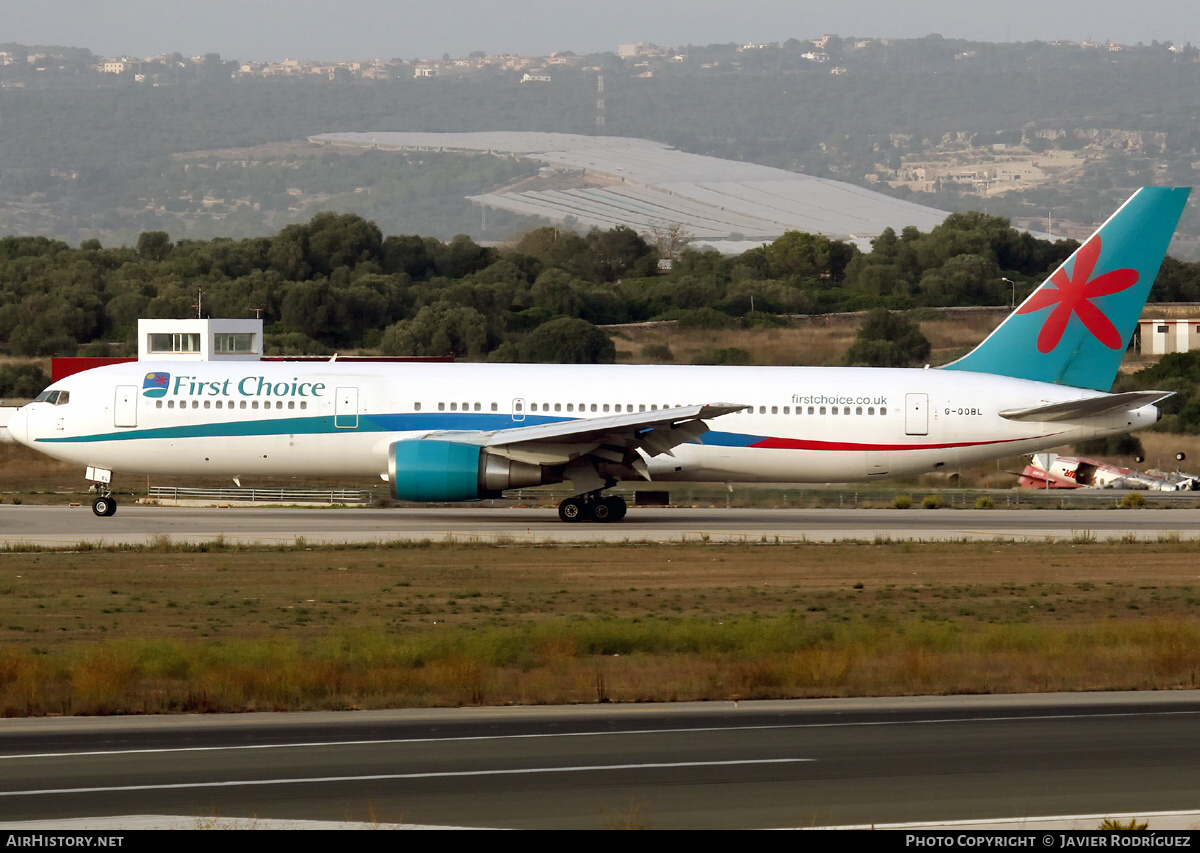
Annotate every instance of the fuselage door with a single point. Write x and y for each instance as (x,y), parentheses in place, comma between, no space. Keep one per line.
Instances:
(518,409)
(916,414)
(125,406)
(345,413)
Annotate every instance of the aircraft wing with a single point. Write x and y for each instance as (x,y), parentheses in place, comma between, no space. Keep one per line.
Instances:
(615,439)
(1088,407)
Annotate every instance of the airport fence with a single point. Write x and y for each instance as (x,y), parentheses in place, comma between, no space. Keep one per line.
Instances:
(326,497)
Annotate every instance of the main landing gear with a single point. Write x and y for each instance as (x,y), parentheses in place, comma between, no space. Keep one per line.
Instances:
(592,506)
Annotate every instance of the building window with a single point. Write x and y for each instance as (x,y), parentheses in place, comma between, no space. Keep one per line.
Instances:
(234,343)
(174,342)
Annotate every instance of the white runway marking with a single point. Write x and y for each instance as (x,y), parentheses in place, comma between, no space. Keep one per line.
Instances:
(595,768)
(698,729)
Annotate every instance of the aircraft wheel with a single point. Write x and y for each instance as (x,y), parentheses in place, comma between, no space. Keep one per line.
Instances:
(104,507)
(611,508)
(573,510)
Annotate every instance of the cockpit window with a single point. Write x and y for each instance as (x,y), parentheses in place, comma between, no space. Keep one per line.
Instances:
(50,397)
(64,397)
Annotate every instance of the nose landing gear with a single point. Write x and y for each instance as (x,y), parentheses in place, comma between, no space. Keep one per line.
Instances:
(105,504)
(592,506)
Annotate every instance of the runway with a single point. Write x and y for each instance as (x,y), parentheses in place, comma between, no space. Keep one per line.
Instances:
(62,526)
(696,765)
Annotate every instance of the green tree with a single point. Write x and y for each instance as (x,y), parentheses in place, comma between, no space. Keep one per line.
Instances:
(438,329)
(888,339)
(153,245)
(568,340)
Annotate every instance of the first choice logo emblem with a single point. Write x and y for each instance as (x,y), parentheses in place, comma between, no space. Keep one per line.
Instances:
(155,384)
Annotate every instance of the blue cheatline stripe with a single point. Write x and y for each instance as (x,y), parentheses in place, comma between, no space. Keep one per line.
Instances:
(382,423)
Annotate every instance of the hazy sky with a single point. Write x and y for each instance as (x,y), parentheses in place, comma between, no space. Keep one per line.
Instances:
(359,29)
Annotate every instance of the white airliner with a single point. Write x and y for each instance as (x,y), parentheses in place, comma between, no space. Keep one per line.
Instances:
(458,432)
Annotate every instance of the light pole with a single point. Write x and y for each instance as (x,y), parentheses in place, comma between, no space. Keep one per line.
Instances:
(1013,303)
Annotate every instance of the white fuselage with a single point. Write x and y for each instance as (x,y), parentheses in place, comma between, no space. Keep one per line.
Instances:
(804,424)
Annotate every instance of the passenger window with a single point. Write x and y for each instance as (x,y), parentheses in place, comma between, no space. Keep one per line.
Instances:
(416,407)
(822,410)
(495,407)
(454,407)
(606,407)
(195,404)
(291,404)
(787,410)
(477,407)
(882,410)
(441,407)
(158,404)
(254,404)
(570,407)
(846,410)
(810,410)
(774,410)
(558,407)
(207,404)
(170,404)
(593,407)
(870,410)
(303,404)
(242,405)
(858,410)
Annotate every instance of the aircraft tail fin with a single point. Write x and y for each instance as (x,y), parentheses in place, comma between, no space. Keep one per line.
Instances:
(1074,329)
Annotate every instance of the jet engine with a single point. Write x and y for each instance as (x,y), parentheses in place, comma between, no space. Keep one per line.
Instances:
(423,469)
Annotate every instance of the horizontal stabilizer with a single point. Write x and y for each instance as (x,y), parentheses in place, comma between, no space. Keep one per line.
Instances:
(1088,407)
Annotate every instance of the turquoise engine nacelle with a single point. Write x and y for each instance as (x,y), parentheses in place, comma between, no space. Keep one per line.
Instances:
(426,469)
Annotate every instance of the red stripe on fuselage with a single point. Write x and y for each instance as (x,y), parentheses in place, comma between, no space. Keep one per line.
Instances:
(808,444)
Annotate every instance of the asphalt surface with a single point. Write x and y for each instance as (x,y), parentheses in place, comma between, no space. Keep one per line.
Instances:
(695,765)
(64,526)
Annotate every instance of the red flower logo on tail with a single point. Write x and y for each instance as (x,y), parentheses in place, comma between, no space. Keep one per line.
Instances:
(1074,295)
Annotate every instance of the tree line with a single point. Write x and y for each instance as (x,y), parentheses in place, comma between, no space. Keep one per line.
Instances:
(337,283)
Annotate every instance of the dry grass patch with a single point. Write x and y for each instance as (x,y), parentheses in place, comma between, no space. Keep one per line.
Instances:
(239,629)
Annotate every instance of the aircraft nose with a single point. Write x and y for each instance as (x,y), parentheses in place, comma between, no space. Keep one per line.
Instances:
(18,425)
